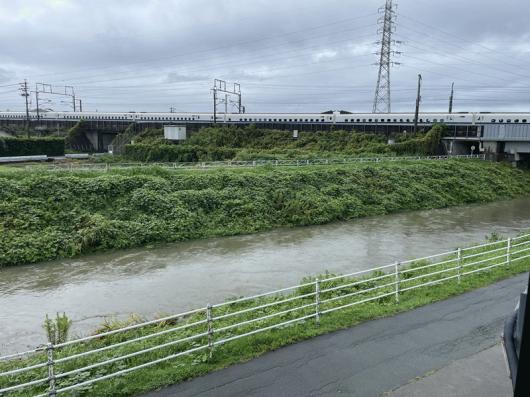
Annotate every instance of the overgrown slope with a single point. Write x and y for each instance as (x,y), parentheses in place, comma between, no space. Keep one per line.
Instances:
(251,143)
(45,215)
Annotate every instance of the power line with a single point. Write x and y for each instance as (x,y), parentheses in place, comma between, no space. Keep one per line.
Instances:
(216,48)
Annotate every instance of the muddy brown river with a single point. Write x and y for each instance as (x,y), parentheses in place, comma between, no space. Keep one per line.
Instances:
(177,277)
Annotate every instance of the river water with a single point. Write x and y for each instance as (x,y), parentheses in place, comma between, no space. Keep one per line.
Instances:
(181,276)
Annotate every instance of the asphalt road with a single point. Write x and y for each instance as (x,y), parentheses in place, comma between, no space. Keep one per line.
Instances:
(372,358)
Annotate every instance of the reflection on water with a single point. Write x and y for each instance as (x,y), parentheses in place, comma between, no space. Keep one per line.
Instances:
(180,276)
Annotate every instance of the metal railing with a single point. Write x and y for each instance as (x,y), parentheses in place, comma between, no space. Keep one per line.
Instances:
(76,364)
(246,164)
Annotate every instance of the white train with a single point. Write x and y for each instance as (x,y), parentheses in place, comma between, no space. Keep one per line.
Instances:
(278,118)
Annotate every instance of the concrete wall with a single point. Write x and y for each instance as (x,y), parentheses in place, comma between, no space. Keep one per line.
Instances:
(506,132)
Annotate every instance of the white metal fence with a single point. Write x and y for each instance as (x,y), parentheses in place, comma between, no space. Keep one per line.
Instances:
(249,163)
(76,364)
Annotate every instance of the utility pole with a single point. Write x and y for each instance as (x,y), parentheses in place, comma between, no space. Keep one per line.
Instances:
(220,86)
(25,93)
(171,109)
(214,105)
(418,99)
(451,98)
(387,27)
(37,100)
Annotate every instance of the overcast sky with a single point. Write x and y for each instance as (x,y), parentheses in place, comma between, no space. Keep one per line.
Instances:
(289,55)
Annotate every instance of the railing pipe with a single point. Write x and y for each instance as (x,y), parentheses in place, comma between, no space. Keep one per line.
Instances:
(209,323)
(459,267)
(397,276)
(51,370)
(508,252)
(317,301)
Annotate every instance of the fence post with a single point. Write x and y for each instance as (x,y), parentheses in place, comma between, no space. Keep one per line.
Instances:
(459,267)
(397,281)
(210,328)
(509,252)
(317,300)
(51,373)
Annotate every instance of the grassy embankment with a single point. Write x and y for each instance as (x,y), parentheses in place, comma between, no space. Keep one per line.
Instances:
(252,143)
(198,363)
(46,215)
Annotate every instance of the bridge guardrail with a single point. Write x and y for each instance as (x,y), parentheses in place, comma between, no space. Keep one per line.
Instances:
(58,368)
(249,163)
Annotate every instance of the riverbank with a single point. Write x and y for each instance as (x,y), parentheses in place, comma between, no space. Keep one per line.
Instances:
(177,277)
(481,266)
(48,215)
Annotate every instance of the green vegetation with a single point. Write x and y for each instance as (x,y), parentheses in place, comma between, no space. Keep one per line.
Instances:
(31,146)
(57,330)
(240,350)
(252,143)
(51,214)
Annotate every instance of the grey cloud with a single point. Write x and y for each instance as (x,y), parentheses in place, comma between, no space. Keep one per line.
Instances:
(152,54)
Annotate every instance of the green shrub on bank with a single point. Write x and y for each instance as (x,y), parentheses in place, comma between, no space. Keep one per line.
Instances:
(176,153)
(31,146)
(46,215)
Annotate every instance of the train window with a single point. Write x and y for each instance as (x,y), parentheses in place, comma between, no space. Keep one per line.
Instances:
(524,120)
(408,120)
(421,120)
(441,120)
(389,120)
(435,120)
(400,120)
(501,120)
(492,120)
(306,120)
(275,120)
(395,120)
(369,120)
(508,120)
(516,121)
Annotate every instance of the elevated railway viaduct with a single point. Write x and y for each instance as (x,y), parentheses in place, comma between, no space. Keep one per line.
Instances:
(501,136)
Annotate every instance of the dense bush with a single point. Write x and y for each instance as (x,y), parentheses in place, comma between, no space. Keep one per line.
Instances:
(181,153)
(251,143)
(31,146)
(60,214)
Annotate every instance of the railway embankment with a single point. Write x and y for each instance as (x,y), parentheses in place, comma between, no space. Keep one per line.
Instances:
(51,214)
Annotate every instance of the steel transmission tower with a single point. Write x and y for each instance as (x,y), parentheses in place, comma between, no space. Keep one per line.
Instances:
(386,28)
